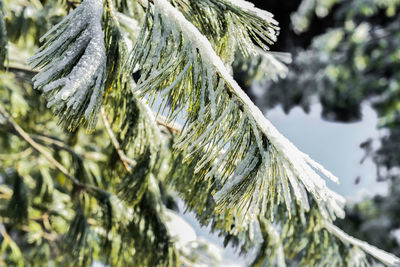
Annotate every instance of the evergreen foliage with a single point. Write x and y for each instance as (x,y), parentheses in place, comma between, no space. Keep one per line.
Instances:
(105,196)
(77,42)
(350,64)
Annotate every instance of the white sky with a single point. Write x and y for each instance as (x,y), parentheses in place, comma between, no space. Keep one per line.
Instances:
(335,145)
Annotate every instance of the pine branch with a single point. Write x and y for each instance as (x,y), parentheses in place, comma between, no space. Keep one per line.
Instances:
(260,169)
(184,69)
(227,148)
(384,257)
(73,60)
(266,66)
(173,127)
(160,120)
(230,23)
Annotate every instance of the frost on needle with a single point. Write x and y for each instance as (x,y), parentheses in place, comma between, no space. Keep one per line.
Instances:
(73,61)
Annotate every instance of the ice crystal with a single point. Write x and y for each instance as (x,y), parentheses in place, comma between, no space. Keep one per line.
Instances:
(386,258)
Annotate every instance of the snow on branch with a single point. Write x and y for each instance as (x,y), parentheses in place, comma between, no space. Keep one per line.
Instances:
(73,62)
(260,169)
(240,20)
(384,257)
(258,23)
(265,66)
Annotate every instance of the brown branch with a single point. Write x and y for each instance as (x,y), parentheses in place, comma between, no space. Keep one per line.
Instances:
(173,127)
(21,69)
(126,161)
(5,235)
(55,143)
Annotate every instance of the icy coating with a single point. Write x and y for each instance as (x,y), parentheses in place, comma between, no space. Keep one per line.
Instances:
(297,166)
(250,8)
(75,44)
(296,163)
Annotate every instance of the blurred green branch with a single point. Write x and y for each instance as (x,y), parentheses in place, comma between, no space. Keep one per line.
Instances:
(21,133)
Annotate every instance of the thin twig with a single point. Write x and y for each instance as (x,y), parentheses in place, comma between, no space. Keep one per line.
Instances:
(55,143)
(24,135)
(38,148)
(25,228)
(173,127)
(5,235)
(128,163)
(21,69)
(48,236)
(23,154)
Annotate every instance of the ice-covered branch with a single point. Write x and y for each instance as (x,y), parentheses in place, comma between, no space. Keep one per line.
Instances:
(260,169)
(293,166)
(73,61)
(384,257)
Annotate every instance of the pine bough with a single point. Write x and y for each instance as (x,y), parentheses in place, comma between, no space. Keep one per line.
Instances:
(258,176)
(73,60)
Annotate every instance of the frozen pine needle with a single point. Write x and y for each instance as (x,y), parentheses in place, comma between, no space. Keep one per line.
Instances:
(73,63)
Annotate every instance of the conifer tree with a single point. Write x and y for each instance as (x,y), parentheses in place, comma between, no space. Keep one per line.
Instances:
(85,190)
(350,64)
